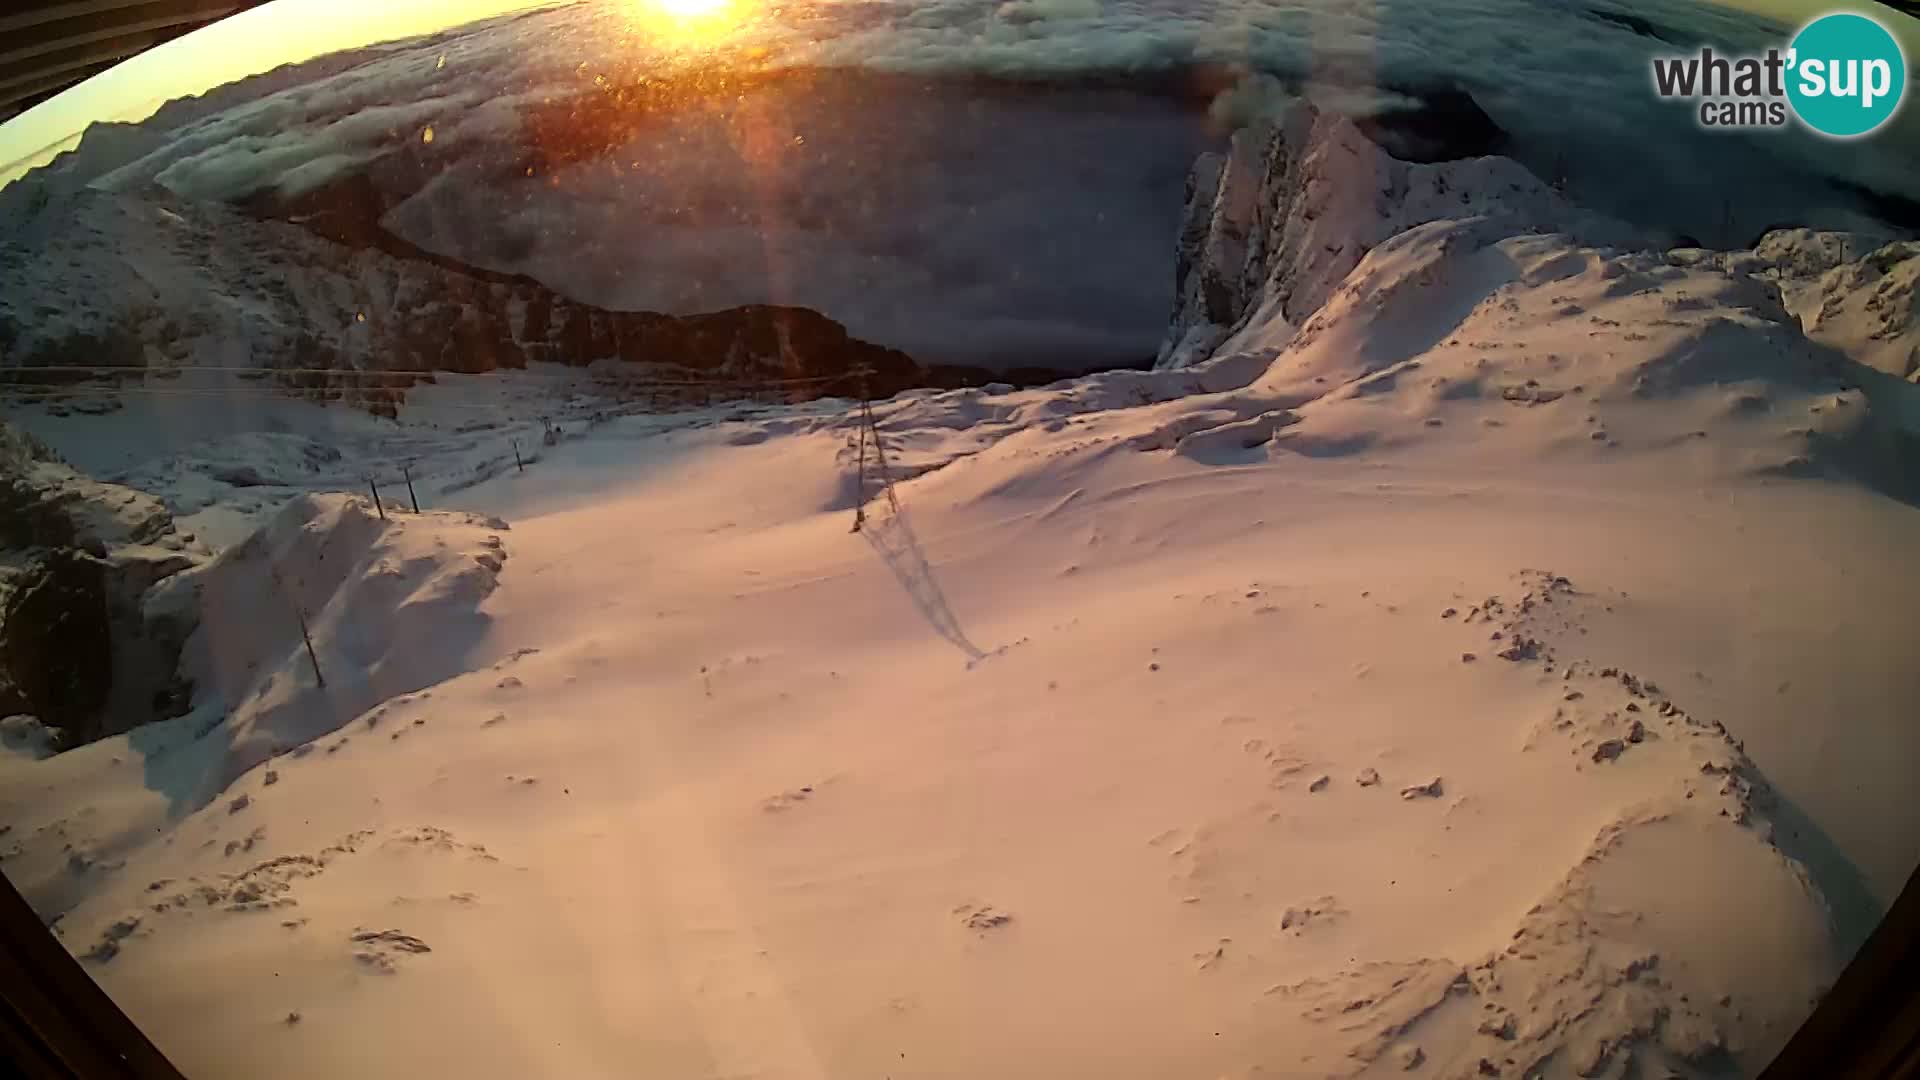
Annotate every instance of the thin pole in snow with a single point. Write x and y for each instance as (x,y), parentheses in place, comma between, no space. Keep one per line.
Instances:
(305,636)
(312,658)
(860,482)
(374,487)
(407,471)
(517,463)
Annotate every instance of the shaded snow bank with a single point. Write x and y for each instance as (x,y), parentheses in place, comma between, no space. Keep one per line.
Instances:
(392,606)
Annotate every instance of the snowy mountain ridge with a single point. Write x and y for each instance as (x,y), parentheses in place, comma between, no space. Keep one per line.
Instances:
(1276,223)
(149,280)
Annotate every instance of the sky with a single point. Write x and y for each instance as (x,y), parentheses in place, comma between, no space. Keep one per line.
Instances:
(261,39)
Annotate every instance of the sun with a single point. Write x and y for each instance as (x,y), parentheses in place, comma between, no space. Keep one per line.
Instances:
(688,21)
(690,9)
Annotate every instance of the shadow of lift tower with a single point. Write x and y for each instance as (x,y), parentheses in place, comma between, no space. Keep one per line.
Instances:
(891,535)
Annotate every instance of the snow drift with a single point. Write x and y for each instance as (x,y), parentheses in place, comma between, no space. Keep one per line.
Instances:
(391,605)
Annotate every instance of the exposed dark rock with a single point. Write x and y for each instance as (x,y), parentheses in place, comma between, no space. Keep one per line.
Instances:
(76,648)
(1444,124)
(461,321)
(55,645)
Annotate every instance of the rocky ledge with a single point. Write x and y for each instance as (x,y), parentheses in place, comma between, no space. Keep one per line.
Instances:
(79,654)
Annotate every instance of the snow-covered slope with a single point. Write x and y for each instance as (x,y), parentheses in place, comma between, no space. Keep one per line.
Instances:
(1866,306)
(390,605)
(1506,672)
(1593,354)
(1277,222)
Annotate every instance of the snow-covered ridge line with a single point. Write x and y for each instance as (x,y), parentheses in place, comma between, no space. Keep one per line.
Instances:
(146,280)
(1849,291)
(1274,224)
(1335,302)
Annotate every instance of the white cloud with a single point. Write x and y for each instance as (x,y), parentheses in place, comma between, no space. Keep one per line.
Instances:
(943,225)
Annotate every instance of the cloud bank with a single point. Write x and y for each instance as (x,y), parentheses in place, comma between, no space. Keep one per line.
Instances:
(955,221)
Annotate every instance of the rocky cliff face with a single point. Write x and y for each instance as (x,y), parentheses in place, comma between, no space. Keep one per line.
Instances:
(1281,218)
(151,281)
(76,558)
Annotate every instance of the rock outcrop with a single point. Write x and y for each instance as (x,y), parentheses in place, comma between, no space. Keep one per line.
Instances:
(1853,292)
(1863,304)
(1278,221)
(76,558)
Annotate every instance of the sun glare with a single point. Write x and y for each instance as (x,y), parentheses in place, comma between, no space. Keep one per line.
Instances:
(696,20)
(691,9)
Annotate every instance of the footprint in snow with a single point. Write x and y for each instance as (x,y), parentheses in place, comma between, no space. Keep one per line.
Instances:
(981,917)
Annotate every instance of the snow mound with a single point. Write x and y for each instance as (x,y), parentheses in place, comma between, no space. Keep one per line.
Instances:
(1273,226)
(1577,989)
(1525,347)
(1867,308)
(1851,291)
(392,605)
(925,430)
(1796,253)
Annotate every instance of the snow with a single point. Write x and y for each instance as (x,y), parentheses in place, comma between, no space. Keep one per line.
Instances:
(389,605)
(1454,677)
(742,786)
(1865,307)
(1280,221)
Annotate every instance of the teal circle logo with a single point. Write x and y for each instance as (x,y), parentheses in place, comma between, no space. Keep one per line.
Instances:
(1845,75)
